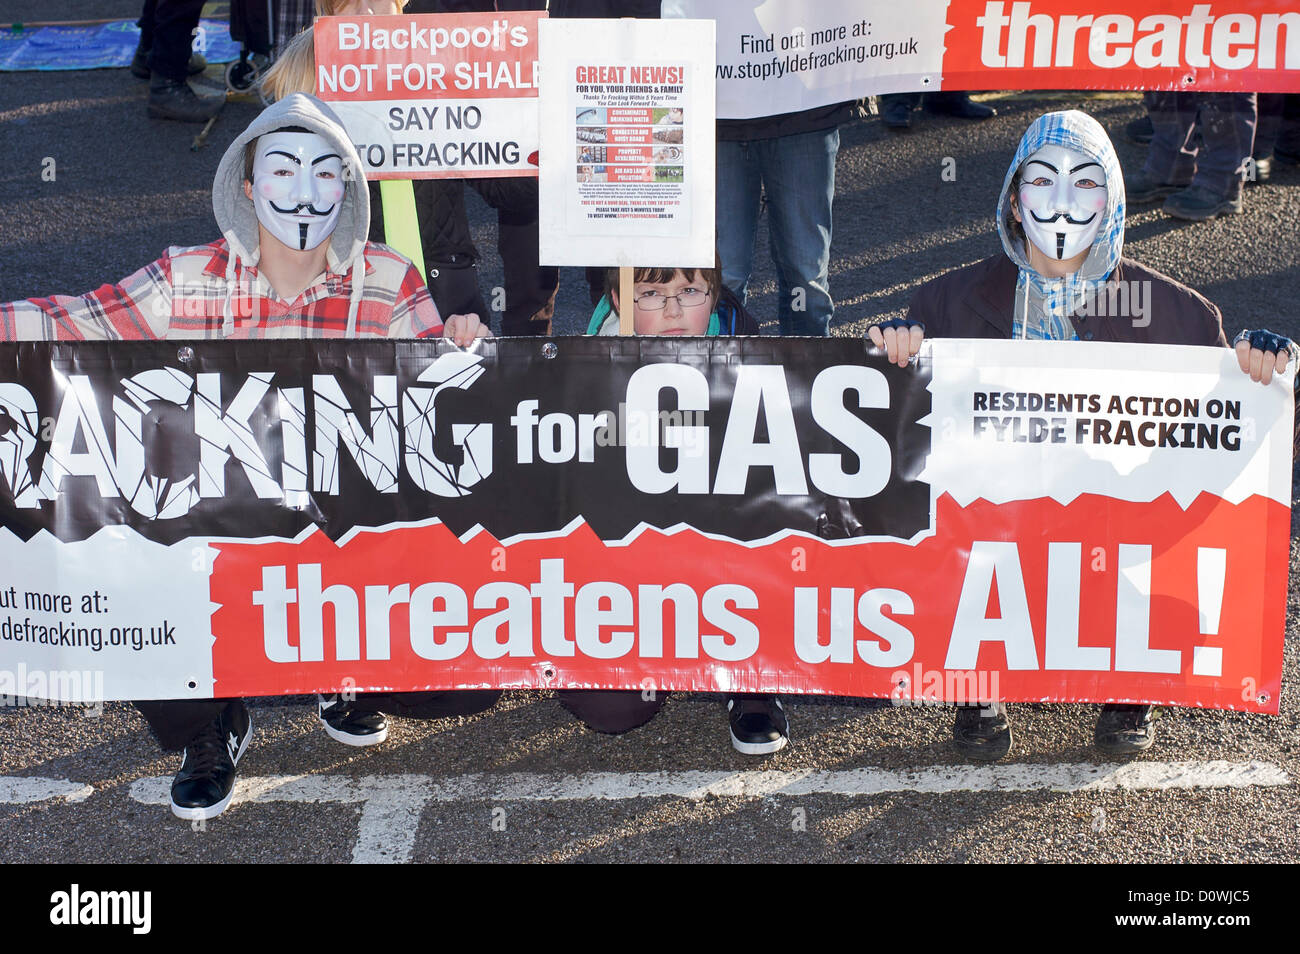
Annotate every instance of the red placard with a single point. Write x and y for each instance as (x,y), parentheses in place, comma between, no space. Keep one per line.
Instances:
(447,56)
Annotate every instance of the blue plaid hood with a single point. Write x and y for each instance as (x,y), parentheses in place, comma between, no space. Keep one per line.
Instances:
(1078,131)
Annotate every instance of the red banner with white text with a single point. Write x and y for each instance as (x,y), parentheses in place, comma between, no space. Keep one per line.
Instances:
(775,58)
(434,96)
(1021,521)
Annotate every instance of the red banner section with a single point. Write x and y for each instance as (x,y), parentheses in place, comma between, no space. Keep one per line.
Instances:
(434,96)
(427,57)
(1097,600)
(775,58)
(1233,46)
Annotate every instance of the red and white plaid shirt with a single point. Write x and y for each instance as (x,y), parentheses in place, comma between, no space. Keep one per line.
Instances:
(184,295)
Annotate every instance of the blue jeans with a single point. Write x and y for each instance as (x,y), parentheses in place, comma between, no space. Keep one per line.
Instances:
(797,173)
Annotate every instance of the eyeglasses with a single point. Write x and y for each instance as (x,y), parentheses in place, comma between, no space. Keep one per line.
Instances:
(687,298)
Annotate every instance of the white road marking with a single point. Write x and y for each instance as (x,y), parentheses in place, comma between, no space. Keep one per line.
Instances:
(22,790)
(391,804)
(935,779)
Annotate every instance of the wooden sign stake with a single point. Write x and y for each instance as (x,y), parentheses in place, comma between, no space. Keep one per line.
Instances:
(625,303)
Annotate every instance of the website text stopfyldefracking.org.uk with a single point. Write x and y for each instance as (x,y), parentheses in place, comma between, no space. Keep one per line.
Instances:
(779,66)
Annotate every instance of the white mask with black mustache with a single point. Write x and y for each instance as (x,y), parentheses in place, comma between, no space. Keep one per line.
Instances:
(297,187)
(1062,198)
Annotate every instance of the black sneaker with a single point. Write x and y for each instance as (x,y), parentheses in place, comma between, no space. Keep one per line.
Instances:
(345,723)
(983,733)
(169,99)
(758,724)
(1126,729)
(206,781)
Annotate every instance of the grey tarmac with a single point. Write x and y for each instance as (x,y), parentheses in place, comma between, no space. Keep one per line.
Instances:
(127,186)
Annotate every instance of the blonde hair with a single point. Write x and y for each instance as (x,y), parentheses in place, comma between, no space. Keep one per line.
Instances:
(328,8)
(294,70)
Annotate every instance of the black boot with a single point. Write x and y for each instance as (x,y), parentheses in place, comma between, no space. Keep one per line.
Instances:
(983,732)
(169,99)
(140,62)
(1126,729)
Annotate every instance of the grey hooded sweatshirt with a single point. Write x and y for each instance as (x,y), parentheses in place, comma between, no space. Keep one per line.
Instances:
(368,290)
(1039,299)
(237,218)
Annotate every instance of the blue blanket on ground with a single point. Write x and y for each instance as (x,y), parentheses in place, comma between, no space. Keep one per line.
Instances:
(98,46)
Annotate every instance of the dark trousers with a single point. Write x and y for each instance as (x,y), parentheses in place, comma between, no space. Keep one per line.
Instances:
(938,100)
(175,722)
(167,32)
(529,288)
(1227,125)
(527,301)
(450,259)
(1279,126)
(611,710)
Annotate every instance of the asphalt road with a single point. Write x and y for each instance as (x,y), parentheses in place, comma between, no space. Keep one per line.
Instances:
(861,781)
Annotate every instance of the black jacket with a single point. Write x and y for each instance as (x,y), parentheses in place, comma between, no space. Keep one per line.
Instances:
(978,302)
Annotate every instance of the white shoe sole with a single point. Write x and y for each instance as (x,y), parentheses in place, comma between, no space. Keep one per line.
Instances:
(202,814)
(212,811)
(357,741)
(757,748)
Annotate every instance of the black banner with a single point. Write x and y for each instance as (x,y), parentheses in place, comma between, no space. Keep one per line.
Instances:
(737,437)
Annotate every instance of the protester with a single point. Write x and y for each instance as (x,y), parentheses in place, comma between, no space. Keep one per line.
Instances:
(651,286)
(677,301)
(1060,216)
(788,159)
(290,200)
(1197,182)
(446,252)
(164,56)
(295,72)
(529,288)
(196,64)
